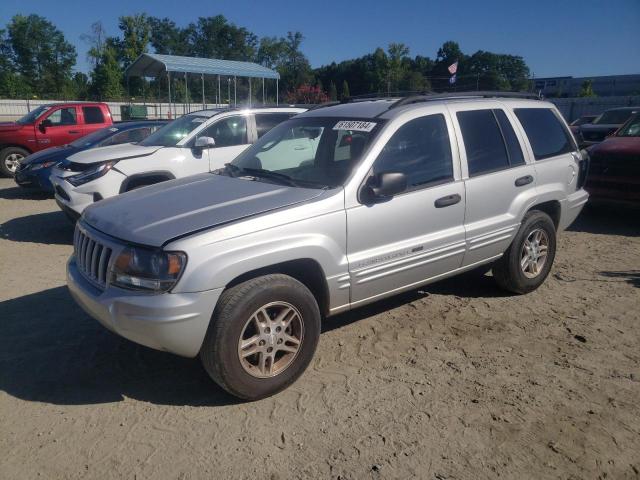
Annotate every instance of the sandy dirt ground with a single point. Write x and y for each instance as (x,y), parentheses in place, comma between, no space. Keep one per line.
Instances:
(454,381)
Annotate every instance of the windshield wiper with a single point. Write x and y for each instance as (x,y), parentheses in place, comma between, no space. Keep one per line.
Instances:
(235,171)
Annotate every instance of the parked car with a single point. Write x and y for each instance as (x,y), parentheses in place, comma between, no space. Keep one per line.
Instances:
(240,266)
(583,120)
(605,124)
(34,170)
(195,143)
(48,126)
(614,175)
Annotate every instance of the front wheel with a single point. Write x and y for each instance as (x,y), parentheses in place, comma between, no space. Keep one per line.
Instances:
(262,336)
(528,260)
(10,159)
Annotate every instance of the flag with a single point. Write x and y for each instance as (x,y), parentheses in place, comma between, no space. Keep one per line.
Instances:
(452,80)
(453,68)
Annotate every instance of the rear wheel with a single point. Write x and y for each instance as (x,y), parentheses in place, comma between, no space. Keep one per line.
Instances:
(10,159)
(262,336)
(527,262)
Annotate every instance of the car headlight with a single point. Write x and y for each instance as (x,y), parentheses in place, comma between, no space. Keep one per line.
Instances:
(38,166)
(148,270)
(90,174)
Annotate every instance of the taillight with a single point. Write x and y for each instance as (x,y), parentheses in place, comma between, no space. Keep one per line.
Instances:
(583,168)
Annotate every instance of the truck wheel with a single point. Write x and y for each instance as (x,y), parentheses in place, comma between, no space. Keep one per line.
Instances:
(262,336)
(10,158)
(528,260)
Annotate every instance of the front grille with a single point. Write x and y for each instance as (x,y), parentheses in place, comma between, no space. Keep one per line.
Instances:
(92,257)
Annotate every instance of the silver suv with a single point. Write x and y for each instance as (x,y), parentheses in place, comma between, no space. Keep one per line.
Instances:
(333,209)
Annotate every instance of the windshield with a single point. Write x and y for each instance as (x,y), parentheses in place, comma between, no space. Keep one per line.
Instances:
(33,115)
(95,137)
(631,128)
(311,152)
(582,121)
(613,117)
(173,132)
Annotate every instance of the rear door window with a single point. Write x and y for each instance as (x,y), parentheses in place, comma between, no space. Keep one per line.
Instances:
(227,132)
(547,136)
(92,115)
(266,121)
(513,146)
(483,142)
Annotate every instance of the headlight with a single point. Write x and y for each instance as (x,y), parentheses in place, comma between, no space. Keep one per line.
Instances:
(38,166)
(148,270)
(90,174)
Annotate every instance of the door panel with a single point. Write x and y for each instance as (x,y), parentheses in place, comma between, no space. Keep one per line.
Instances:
(218,156)
(404,241)
(64,128)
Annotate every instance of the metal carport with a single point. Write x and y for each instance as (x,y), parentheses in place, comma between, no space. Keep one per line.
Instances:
(157,65)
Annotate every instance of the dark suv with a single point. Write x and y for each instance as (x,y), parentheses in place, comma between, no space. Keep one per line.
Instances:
(605,124)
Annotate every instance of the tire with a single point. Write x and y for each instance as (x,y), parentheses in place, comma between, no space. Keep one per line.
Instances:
(510,271)
(237,317)
(8,157)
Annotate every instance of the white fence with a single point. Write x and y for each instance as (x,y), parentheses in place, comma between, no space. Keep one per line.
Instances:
(572,108)
(14,109)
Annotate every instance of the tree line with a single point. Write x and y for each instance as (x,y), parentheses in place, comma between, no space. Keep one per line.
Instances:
(36,60)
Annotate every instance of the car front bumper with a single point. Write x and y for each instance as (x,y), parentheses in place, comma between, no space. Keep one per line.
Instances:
(172,322)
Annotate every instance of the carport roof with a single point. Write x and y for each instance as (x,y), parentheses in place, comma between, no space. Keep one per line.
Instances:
(152,64)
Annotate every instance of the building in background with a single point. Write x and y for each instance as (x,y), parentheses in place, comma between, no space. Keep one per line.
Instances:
(604,86)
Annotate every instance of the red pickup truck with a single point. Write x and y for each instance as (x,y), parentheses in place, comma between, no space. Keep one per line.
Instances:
(48,126)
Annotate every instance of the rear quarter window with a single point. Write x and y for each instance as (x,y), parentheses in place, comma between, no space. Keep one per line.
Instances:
(547,135)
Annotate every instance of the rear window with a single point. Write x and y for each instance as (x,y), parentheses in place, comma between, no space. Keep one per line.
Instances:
(92,115)
(547,136)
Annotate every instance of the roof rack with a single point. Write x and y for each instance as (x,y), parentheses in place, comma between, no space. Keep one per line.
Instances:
(428,97)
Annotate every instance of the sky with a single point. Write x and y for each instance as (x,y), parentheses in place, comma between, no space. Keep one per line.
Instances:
(555,37)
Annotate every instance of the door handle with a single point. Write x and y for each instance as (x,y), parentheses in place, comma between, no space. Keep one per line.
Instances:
(74,131)
(522,181)
(447,201)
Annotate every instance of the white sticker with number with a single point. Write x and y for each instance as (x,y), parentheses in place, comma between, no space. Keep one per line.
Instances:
(355,125)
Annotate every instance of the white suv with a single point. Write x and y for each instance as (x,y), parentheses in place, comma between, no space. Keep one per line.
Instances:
(195,143)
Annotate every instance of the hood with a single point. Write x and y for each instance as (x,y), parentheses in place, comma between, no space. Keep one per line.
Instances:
(157,214)
(10,126)
(617,146)
(52,154)
(112,152)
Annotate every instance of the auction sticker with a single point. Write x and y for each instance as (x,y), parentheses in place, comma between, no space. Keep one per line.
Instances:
(355,125)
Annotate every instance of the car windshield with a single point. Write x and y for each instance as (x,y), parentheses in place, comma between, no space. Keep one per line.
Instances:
(613,117)
(173,132)
(33,115)
(311,152)
(631,128)
(94,138)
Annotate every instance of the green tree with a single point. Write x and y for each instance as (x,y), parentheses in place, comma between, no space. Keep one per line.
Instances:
(333,92)
(106,78)
(345,90)
(136,34)
(40,54)
(587,89)
(398,53)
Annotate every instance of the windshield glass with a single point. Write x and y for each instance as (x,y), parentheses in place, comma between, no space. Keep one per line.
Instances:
(582,120)
(613,117)
(33,115)
(631,129)
(173,132)
(310,152)
(95,137)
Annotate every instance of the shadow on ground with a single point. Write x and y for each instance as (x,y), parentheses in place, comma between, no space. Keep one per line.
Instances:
(19,193)
(52,352)
(50,228)
(632,277)
(608,221)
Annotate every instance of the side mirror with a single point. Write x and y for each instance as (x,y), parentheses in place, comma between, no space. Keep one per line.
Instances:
(204,142)
(44,124)
(383,186)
